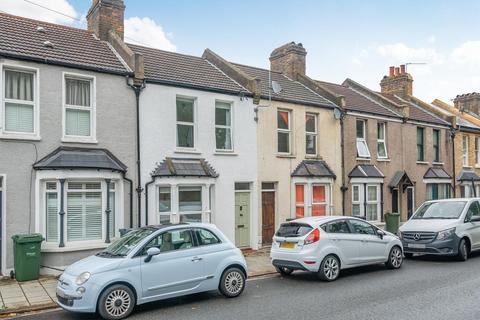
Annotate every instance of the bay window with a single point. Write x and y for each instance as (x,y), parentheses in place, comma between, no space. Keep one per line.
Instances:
(284,131)
(190,204)
(312,199)
(164,204)
(51,212)
(362,147)
(185,123)
(299,201)
(311,134)
(356,203)
(79,107)
(366,201)
(373,203)
(437,191)
(381,140)
(223,126)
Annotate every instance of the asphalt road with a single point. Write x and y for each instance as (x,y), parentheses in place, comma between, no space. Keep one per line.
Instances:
(424,288)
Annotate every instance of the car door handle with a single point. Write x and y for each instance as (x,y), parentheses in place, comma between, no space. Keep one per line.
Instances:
(197,259)
(364,240)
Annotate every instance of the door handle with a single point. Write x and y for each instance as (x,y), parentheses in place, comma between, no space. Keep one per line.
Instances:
(241,226)
(197,259)
(364,240)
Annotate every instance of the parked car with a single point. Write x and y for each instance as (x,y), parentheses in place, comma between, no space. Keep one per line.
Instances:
(448,227)
(153,263)
(326,245)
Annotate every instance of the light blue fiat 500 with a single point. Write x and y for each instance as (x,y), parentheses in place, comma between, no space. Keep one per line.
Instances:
(153,263)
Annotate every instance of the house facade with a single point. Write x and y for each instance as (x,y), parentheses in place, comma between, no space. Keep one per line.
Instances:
(66,165)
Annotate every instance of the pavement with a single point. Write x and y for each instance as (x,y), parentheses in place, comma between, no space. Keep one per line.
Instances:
(424,288)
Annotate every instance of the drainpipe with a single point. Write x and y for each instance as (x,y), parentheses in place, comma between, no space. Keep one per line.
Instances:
(138,89)
(130,182)
(107,212)
(62,213)
(342,147)
(146,199)
(452,136)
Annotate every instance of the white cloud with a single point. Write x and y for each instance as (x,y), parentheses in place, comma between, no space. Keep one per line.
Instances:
(29,10)
(467,54)
(403,53)
(145,31)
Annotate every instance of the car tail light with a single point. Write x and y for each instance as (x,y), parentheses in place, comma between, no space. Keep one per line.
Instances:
(313,237)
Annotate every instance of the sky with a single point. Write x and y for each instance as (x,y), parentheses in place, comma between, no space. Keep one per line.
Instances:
(357,39)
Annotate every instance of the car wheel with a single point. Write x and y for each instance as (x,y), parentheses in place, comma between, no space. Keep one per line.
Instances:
(395,258)
(232,283)
(408,255)
(284,271)
(462,251)
(116,302)
(329,268)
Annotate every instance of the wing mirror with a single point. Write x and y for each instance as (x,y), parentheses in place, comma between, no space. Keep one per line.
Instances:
(474,219)
(151,252)
(381,233)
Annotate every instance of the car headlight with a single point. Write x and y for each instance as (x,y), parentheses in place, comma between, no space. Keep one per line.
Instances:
(442,235)
(82,278)
(399,234)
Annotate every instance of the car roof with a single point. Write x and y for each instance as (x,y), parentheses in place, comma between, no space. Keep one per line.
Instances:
(171,225)
(323,219)
(454,200)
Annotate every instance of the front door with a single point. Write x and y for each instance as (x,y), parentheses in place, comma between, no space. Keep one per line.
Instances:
(268,216)
(242,219)
(410,202)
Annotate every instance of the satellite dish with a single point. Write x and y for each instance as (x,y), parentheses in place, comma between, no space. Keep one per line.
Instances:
(276,87)
(337,113)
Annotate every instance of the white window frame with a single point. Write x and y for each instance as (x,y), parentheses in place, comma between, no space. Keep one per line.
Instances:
(382,141)
(308,185)
(377,201)
(288,131)
(164,213)
(313,134)
(3,210)
(194,124)
(357,202)
(362,140)
(465,147)
(93,109)
(35,135)
(477,151)
(231,126)
(362,190)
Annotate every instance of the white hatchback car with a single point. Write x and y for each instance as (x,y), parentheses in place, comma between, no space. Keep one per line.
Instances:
(326,245)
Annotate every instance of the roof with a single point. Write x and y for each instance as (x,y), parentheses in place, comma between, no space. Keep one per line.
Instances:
(365,171)
(313,168)
(177,69)
(180,167)
(468,175)
(400,177)
(292,91)
(358,102)
(73,47)
(80,158)
(436,173)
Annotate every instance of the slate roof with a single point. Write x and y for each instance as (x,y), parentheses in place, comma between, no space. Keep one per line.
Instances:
(292,91)
(468,175)
(365,171)
(436,173)
(74,47)
(172,68)
(356,101)
(180,167)
(400,177)
(313,168)
(80,158)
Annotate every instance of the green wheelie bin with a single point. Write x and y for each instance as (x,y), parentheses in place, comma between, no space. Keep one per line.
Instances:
(392,221)
(26,256)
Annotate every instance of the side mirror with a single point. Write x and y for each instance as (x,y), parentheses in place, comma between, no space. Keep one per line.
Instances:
(151,253)
(475,219)
(381,233)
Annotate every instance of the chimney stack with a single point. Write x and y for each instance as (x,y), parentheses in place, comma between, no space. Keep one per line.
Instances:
(289,59)
(106,15)
(468,102)
(398,82)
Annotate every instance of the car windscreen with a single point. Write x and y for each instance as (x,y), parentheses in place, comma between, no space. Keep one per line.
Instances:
(440,210)
(293,230)
(124,245)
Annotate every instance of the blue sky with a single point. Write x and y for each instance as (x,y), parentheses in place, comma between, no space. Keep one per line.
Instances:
(344,38)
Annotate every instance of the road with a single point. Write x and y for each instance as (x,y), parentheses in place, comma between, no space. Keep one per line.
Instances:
(424,288)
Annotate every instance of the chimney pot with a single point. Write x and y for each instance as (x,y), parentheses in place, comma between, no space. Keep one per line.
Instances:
(392,71)
(397,71)
(399,82)
(402,69)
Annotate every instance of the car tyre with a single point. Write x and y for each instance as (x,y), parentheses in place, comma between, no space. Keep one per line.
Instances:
(284,271)
(116,302)
(395,258)
(232,282)
(408,255)
(462,250)
(329,268)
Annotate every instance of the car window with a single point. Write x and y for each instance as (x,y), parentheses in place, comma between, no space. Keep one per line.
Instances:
(473,211)
(336,227)
(362,227)
(171,240)
(293,229)
(206,237)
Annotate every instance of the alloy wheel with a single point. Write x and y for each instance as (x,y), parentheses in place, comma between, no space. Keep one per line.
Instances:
(330,268)
(396,257)
(234,282)
(117,303)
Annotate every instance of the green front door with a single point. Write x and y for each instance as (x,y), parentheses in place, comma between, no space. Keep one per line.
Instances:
(242,219)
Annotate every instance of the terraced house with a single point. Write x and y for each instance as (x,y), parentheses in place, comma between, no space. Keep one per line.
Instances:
(66,164)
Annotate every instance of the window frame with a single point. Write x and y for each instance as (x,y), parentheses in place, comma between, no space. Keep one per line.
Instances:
(477,151)
(422,145)
(142,252)
(357,202)
(382,141)
(285,131)
(92,138)
(313,134)
(35,135)
(363,196)
(199,244)
(465,148)
(363,139)
(375,202)
(193,124)
(436,145)
(231,127)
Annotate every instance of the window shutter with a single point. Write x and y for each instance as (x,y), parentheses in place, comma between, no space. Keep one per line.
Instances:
(52,217)
(84,216)
(93,213)
(18,117)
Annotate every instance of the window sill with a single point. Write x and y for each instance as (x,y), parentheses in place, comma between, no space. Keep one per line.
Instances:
(438,163)
(467,167)
(477,166)
(383,159)
(284,155)
(52,248)
(313,156)
(187,151)
(225,153)
(79,140)
(19,136)
(422,162)
(363,159)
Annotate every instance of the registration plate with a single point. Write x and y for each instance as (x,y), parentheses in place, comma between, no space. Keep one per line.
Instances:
(287,245)
(416,246)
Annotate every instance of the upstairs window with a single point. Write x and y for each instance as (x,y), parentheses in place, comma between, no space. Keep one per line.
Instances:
(78,107)
(465,151)
(421,144)
(19,102)
(436,145)
(381,140)
(223,126)
(284,131)
(362,147)
(311,133)
(477,151)
(185,123)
